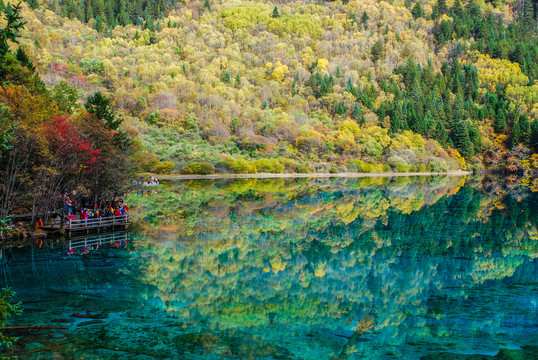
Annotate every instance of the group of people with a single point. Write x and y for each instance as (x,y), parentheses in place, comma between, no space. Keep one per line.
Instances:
(152,181)
(83,210)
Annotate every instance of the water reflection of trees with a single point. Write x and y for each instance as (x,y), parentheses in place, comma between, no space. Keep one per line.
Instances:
(334,254)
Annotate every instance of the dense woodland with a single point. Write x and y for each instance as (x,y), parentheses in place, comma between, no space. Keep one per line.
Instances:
(299,86)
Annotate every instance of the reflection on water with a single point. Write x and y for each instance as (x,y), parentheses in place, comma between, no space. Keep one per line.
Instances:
(294,269)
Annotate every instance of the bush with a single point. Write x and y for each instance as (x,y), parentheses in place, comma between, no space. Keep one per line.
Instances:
(273,166)
(241,166)
(400,167)
(289,164)
(203,168)
(163,168)
(362,166)
(304,168)
(438,165)
(333,170)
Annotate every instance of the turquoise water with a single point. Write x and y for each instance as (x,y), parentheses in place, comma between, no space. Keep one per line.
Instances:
(292,269)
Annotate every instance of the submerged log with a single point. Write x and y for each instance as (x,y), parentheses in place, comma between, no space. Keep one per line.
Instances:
(31,327)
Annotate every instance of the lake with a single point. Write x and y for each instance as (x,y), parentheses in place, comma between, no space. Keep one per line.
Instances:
(368,268)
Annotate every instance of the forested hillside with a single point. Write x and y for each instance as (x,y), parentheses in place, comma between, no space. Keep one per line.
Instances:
(300,86)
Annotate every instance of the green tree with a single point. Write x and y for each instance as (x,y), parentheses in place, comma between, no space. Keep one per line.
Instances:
(24,60)
(356,112)
(528,14)
(516,134)
(7,309)
(533,140)
(65,97)
(525,127)
(442,7)
(10,32)
(88,10)
(98,106)
(364,18)
(275,14)
(207,6)
(33,4)
(417,11)
(461,140)
(6,128)
(377,51)
(499,123)
(457,9)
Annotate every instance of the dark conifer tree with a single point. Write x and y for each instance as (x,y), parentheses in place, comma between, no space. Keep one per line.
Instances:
(417,11)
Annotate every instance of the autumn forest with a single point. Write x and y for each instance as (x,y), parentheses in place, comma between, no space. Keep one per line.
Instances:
(96,91)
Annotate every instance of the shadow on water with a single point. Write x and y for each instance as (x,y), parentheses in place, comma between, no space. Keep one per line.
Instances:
(291,269)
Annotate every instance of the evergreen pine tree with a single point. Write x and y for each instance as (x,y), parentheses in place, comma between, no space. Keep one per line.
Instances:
(88,10)
(207,6)
(24,59)
(525,128)
(349,86)
(364,18)
(458,111)
(275,14)
(237,80)
(499,123)
(33,4)
(516,134)
(99,106)
(528,14)
(99,24)
(440,134)
(457,9)
(441,6)
(417,11)
(377,50)
(461,140)
(226,78)
(356,112)
(533,140)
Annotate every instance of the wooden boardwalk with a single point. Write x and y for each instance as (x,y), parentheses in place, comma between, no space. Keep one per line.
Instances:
(91,224)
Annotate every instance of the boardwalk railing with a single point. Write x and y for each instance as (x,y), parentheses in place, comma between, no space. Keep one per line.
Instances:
(100,222)
(96,241)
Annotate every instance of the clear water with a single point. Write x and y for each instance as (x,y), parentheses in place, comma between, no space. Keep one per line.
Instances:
(292,269)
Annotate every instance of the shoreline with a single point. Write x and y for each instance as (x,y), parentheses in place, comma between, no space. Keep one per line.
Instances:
(313,175)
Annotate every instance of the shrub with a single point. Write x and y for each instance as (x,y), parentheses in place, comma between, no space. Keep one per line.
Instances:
(401,167)
(304,168)
(163,168)
(362,166)
(203,168)
(241,166)
(289,164)
(273,166)
(333,170)
(438,165)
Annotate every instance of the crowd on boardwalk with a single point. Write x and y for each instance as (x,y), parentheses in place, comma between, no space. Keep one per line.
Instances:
(76,210)
(152,181)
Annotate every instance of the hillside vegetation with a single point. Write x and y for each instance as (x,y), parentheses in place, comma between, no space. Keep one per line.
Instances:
(236,86)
